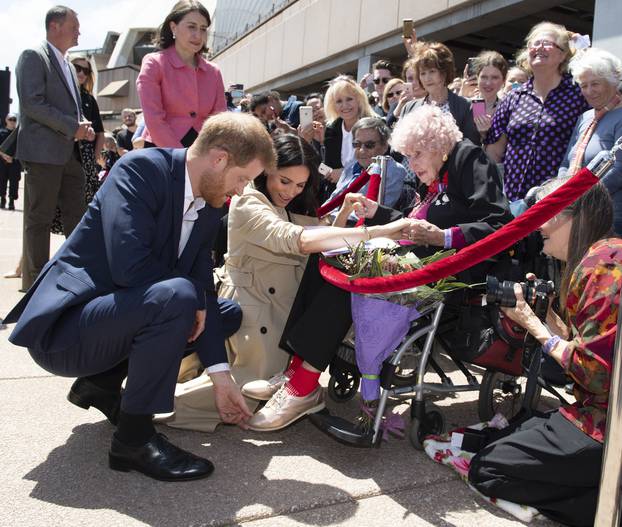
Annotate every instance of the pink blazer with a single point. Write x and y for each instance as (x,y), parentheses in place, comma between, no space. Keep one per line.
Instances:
(175,97)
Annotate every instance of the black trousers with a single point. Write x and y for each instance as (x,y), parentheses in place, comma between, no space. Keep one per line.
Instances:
(545,462)
(319,319)
(10,174)
(147,327)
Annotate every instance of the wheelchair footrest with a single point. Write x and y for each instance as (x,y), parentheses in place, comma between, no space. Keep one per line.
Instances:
(342,430)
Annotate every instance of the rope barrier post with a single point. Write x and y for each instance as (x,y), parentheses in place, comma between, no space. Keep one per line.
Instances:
(382,160)
(608,511)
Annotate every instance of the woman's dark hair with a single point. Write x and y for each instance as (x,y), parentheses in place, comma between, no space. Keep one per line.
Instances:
(315,95)
(435,55)
(179,11)
(491,58)
(592,220)
(293,151)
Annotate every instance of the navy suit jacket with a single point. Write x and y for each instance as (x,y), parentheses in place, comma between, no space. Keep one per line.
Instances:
(129,237)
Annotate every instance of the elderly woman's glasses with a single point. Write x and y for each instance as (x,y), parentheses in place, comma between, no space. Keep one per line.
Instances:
(546,44)
(367,144)
(82,69)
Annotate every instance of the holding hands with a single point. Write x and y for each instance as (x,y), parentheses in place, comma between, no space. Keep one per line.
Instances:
(422,232)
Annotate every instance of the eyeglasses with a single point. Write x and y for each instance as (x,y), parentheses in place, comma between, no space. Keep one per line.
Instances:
(546,44)
(396,93)
(382,80)
(367,144)
(82,69)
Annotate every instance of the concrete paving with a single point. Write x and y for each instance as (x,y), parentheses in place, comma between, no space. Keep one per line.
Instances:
(54,462)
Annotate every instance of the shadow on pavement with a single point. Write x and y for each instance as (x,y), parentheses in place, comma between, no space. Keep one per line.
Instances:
(292,472)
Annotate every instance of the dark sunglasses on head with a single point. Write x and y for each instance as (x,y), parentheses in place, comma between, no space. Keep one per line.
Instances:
(392,93)
(367,144)
(384,80)
(82,69)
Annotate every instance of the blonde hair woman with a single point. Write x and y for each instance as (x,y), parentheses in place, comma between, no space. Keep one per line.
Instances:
(345,103)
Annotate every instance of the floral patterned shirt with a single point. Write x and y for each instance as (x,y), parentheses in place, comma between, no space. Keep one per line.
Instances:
(538,133)
(592,305)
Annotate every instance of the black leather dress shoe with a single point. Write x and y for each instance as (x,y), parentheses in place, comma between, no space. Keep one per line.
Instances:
(85,394)
(158,459)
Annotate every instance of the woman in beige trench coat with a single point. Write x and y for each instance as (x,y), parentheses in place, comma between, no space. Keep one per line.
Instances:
(267,247)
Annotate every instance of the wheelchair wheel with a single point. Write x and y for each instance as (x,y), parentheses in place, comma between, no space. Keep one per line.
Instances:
(343,385)
(433,423)
(503,393)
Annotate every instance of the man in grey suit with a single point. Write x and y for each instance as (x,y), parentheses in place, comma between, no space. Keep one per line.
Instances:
(51,124)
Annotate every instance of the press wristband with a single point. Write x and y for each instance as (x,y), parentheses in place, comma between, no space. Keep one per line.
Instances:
(550,344)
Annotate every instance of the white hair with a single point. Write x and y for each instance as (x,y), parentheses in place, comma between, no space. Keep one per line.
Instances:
(599,62)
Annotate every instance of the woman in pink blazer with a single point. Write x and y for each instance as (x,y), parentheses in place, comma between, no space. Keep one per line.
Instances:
(178,88)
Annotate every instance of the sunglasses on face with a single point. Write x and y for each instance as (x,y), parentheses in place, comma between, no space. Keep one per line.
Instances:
(82,69)
(396,93)
(12,119)
(546,44)
(368,145)
(382,80)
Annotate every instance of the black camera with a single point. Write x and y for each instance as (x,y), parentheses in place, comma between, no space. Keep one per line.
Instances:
(502,293)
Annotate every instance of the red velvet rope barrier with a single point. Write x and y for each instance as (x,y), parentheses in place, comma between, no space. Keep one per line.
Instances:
(473,254)
(337,201)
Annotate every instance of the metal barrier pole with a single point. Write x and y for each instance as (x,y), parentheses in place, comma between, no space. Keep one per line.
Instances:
(383,180)
(608,511)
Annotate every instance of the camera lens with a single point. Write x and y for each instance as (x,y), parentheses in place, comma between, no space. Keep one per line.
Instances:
(501,293)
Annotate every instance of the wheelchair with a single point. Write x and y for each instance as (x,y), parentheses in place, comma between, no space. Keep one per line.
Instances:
(465,331)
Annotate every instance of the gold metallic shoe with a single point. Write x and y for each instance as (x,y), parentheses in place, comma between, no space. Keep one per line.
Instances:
(283,409)
(263,390)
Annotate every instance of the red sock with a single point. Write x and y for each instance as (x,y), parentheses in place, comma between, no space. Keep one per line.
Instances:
(303,382)
(293,366)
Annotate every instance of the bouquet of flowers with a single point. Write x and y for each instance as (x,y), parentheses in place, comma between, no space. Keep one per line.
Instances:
(382,320)
(362,261)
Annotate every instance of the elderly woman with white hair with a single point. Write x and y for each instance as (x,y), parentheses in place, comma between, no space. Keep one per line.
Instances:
(460,201)
(598,73)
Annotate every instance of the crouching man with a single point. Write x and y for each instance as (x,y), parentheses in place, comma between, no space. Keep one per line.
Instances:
(131,291)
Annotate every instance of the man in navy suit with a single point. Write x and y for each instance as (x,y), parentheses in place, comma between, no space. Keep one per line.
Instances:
(131,291)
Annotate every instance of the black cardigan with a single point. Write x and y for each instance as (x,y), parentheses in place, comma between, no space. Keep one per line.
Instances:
(333,137)
(460,108)
(476,201)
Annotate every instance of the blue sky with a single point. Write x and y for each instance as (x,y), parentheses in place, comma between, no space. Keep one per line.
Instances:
(23,23)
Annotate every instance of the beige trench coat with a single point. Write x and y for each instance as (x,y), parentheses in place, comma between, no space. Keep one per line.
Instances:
(262,272)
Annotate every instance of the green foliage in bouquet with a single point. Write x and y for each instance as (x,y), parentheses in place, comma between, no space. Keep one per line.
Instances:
(361,262)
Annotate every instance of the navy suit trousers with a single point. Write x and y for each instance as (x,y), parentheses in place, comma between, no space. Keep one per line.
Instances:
(147,325)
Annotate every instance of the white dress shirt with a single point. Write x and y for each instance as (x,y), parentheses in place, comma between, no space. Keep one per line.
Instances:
(347,150)
(62,60)
(192,206)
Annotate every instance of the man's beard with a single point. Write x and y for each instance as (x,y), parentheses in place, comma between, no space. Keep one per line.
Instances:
(212,188)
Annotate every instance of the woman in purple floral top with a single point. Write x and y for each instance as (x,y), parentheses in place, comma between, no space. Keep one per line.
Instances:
(532,126)
(553,461)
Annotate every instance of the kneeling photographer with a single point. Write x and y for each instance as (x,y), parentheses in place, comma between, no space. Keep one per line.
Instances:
(553,461)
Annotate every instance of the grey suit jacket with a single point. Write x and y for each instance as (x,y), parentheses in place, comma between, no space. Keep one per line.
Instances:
(48,114)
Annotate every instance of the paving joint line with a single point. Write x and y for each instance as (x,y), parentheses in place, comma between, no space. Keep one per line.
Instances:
(332,503)
(27,377)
